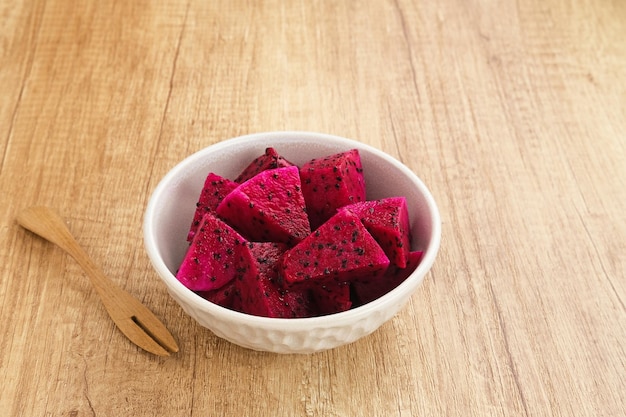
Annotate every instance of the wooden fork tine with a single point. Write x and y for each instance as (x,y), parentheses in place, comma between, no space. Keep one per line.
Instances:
(138,323)
(141,326)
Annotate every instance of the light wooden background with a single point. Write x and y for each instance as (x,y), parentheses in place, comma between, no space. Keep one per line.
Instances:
(512,112)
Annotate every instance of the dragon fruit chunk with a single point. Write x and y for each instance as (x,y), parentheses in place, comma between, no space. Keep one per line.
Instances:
(369,290)
(330,183)
(387,220)
(268,207)
(214,190)
(214,258)
(223,296)
(261,295)
(269,160)
(340,250)
(331,298)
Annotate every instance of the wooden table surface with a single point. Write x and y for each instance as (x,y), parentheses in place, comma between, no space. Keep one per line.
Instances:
(512,112)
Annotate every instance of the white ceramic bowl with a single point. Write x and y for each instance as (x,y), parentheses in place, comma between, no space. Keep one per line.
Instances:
(170,210)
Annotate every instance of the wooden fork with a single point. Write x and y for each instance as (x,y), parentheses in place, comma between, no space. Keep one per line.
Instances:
(134,319)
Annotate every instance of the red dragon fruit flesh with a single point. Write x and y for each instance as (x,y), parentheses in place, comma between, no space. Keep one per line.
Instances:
(223,296)
(268,207)
(214,258)
(286,241)
(261,294)
(331,298)
(330,183)
(387,220)
(271,159)
(369,290)
(341,250)
(214,190)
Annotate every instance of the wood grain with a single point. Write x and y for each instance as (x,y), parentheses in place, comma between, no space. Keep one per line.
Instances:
(513,113)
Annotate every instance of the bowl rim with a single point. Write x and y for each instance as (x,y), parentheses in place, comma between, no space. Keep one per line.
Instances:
(289,324)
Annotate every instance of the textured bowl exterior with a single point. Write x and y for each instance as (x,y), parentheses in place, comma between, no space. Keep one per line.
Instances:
(171,207)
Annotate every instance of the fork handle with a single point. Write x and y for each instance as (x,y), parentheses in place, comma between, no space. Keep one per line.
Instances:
(134,319)
(46,223)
